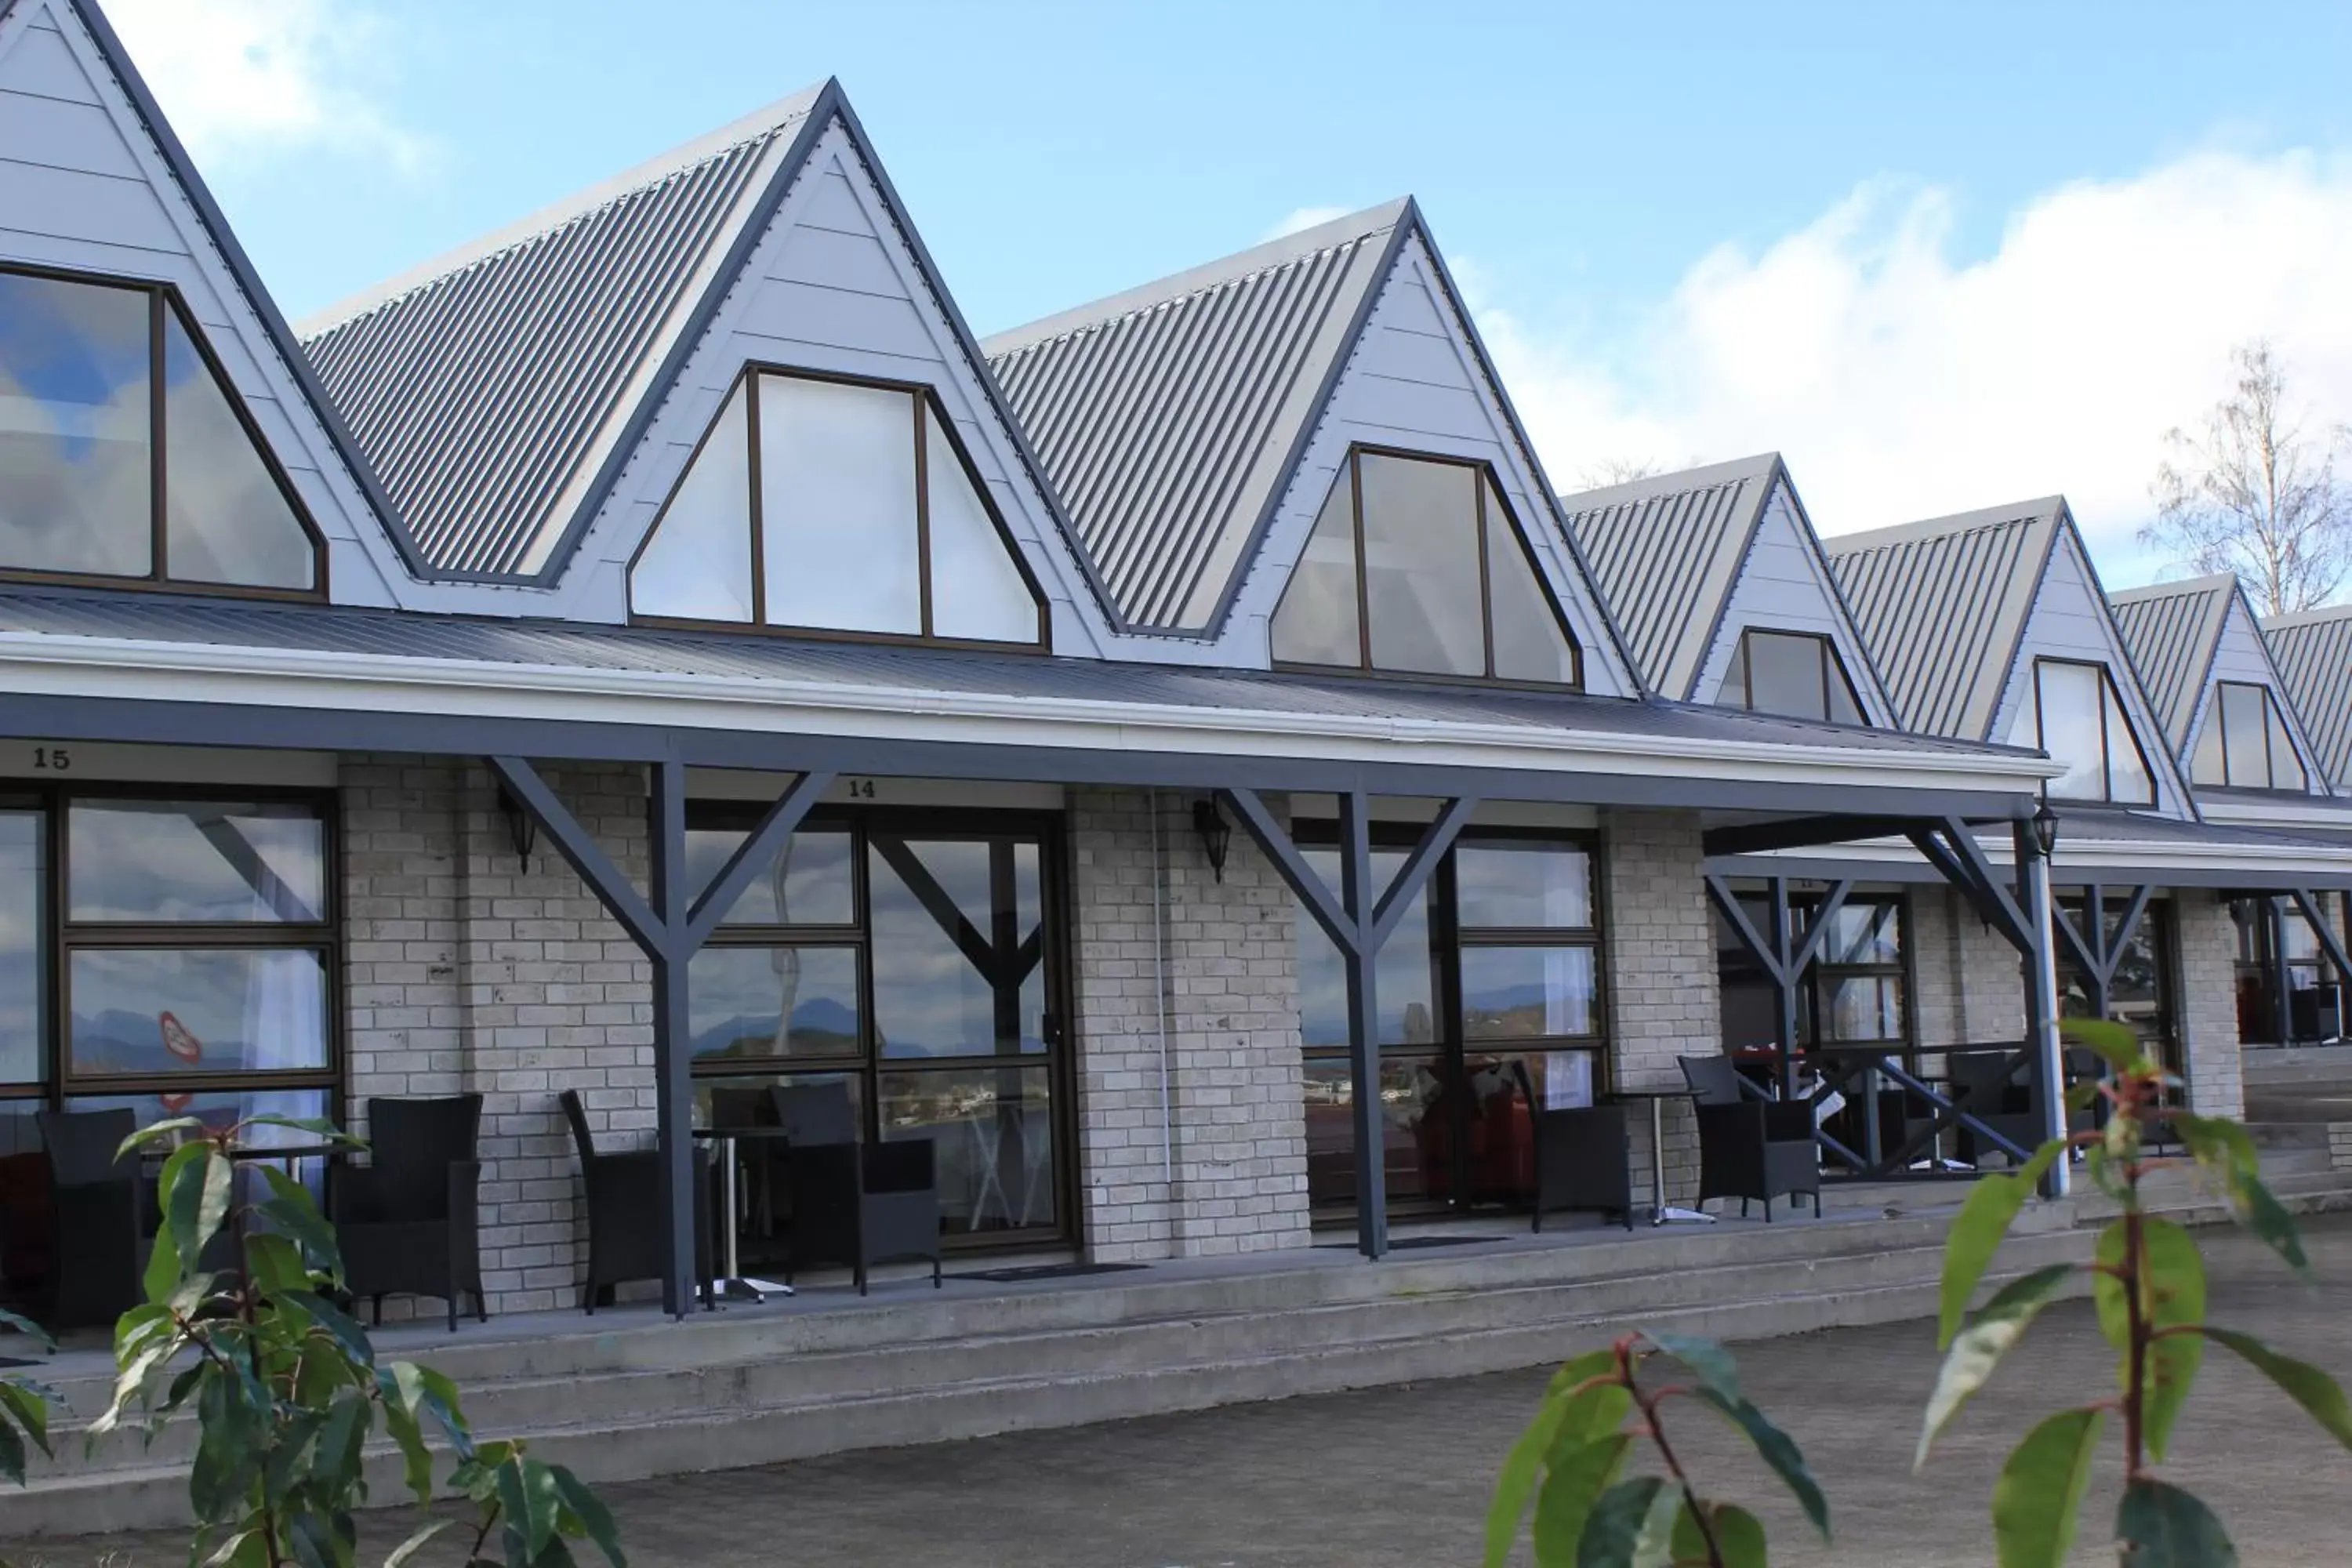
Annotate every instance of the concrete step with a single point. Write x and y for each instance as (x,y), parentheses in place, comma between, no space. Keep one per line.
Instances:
(2271,1068)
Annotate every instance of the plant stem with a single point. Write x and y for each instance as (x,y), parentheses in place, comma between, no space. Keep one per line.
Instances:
(248,1312)
(1648,1405)
(2135,1267)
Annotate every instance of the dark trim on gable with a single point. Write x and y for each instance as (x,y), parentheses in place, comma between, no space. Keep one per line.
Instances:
(2039,576)
(1896,719)
(1773,476)
(248,281)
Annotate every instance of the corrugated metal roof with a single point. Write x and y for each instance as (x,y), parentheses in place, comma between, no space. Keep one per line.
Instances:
(2313,653)
(1163,415)
(1941,604)
(481,385)
(1665,550)
(754,659)
(2171,630)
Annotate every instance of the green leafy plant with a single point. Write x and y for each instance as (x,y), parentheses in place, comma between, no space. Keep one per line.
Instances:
(241,1326)
(2147,1284)
(23,1403)
(1568,1459)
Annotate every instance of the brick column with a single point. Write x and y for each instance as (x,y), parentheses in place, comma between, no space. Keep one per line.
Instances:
(2208,1003)
(1664,999)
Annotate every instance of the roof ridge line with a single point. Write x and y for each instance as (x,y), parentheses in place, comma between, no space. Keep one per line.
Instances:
(2210,583)
(1681,481)
(2039,510)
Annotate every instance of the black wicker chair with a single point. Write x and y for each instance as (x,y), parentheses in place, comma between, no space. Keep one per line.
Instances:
(408,1221)
(1581,1162)
(98,1211)
(853,1202)
(623,1190)
(1749,1149)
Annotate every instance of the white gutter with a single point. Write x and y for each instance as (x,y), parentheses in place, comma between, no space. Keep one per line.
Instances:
(142,669)
(2094,855)
(2311,814)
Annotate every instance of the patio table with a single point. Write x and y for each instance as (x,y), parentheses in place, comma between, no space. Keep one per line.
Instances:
(1661,1210)
(732,1281)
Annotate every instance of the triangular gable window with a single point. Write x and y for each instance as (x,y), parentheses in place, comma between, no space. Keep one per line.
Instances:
(1795,674)
(1416,566)
(2245,745)
(830,506)
(2072,712)
(123,454)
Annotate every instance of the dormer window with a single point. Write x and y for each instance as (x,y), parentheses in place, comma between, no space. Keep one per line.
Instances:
(1416,567)
(124,457)
(836,506)
(1797,675)
(2245,745)
(2072,712)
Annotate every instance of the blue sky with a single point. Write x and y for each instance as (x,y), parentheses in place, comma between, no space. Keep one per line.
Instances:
(1940,255)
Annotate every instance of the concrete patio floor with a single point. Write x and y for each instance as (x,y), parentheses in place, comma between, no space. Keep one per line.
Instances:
(1401,1475)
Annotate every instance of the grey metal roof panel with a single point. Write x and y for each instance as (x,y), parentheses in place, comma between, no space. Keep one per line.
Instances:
(2313,653)
(1666,550)
(2171,630)
(157,618)
(479,385)
(1941,604)
(1153,412)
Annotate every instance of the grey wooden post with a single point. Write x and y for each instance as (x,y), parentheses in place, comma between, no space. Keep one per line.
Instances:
(2041,995)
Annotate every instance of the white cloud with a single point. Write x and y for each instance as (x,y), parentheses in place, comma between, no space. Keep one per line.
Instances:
(248,79)
(1301,219)
(1902,384)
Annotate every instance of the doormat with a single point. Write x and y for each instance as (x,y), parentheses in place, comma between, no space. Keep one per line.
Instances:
(1412,1243)
(1045,1271)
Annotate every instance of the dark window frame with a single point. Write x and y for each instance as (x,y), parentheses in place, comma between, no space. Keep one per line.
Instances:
(162,298)
(1489,481)
(2217,719)
(925,411)
(60,936)
(2107,688)
(1833,666)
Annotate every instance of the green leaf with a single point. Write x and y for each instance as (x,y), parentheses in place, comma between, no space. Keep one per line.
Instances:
(29,1408)
(2082,1096)
(159,1133)
(440,1397)
(2267,1219)
(526,1494)
(275,1263)
(397,1383)
(30,1328)
(1739,1537)
(335,1464)
(246,1549)
(1632,1526)
(595,1519)
(324,1543)
(2039,1493)
(2115,1044)
(2160,1526)
(408,1549)
(2225,1152)
(1977,1349)
(347,1335)
(1990,1208)
(194,1192)
(1522,1465)
(12,1454)
(291,1213)
(2320,1395)
(1778,1450)
(1708,1360)
(2176,1298)
(1574,1481)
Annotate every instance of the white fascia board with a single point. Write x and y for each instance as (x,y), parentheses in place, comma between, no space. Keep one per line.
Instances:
(2296,814)
(136,668)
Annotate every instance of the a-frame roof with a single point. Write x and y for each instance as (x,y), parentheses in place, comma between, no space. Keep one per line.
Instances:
(93,179)
(2313,651)
(1168,415)
(2174,630)
(1943,603)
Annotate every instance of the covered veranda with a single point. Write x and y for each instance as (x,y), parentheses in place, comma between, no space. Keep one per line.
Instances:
(520,696)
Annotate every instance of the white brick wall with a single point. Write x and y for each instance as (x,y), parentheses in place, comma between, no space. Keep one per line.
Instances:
(1662,997)
(1191,1133)
(2209,1004)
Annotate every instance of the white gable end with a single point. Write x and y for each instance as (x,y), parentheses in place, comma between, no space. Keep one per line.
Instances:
(831,287)
(84,188)
(1413,382)
(2070,620)
(2241,655)
(1782,585)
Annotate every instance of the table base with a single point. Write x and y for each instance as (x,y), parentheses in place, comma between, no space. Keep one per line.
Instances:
(1673,1215)
(743,1287)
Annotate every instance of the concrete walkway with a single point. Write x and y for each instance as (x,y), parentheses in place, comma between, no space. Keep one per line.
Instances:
(1401,1475)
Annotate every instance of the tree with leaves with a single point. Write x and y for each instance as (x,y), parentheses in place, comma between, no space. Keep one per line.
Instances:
(2255,493)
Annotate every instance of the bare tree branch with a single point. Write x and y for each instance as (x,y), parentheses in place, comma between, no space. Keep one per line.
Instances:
(2255,493)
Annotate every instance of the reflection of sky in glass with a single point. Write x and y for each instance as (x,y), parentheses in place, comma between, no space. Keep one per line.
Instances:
(75,479)
(1512,991)
(814,889)
(736,996)
(169,862)
(143,1010)
(225,519)
(1400,975)
(20,951)
(1534,886)
(991,1132)
(928,997)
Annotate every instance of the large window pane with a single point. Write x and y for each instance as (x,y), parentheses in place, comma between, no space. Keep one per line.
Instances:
(808,883)
(959,947)
(225,519)
(2068,729)
(1863,933)
(1786,675)
(1862,1008)
(991,1132)
(976,589)
(1421,565)
(1528,642)
(738,999)
(2245,737)
(76,477)
(1518,992)
(2286,768)
(697,565)
(184,861)
(2128,776)
(149,1011)
(21,882)
(1317,622)
(1401,974)
(837,494)
(1416,1150)
(1514,887)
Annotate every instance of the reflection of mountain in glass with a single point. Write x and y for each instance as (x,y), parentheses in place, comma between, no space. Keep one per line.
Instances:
(117,1043)
(821,1027)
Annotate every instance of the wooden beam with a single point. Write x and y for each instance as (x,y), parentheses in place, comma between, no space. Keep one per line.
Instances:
(583,854)
(1415,875)
(753,856)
